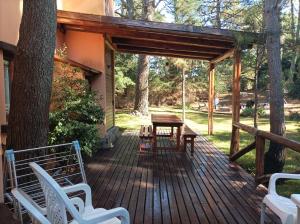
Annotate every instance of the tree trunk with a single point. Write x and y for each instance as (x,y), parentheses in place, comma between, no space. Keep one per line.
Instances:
(275,157)
(32,81)
(258,63)
(183,94)
(130,9)
(296,38)
(218,14)
(142,90)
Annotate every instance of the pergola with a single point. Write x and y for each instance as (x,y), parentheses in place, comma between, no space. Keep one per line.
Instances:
(171,40)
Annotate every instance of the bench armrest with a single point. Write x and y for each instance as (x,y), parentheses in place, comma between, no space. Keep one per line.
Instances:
(80,187)
(296,199)
(120,212)
(38,213)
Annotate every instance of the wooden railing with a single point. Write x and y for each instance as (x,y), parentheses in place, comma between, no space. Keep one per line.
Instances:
(260,138)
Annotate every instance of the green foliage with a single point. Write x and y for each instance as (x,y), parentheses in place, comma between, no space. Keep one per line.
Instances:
(294,89)
(74,113)
(294,116)
(249,112)
(122,82)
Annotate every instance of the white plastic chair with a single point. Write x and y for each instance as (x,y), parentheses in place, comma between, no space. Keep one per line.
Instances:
(58,203)
(284,207)
(37,213)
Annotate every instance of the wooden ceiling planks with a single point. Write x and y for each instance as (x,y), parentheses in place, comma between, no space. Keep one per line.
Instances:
(154,38)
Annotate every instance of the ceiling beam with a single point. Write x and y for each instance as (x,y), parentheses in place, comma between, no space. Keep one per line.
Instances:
(158,52)
(163,55)
(167,46)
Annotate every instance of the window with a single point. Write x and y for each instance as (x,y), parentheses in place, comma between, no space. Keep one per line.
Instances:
(7,84)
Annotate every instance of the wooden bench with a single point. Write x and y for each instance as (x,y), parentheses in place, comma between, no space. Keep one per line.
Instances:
(188,137)
(146,137)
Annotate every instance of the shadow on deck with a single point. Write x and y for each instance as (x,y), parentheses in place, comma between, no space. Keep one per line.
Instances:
(173,187)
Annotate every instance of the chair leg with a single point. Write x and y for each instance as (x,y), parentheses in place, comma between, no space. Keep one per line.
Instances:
(262,213)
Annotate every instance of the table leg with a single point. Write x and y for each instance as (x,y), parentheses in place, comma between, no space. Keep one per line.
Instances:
(154,138)
(172,132)
(178,138)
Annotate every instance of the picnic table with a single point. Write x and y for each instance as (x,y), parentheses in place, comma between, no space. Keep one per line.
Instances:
(166,120)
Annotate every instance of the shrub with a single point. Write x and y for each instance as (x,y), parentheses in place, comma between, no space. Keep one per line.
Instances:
(249,112)
(74,111)
(295,116)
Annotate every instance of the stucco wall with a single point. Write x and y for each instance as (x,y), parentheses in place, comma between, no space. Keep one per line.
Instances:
(10,18)
(2,95)
(88,49)
(96,7)
(11,13)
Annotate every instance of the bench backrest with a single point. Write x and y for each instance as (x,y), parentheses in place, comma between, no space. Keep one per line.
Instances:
(63,162)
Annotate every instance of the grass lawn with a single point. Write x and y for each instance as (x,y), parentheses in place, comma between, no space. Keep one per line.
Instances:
(222,134)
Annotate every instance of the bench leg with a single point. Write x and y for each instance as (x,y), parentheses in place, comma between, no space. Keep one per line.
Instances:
(192,146)
(184,143)
(154,138)
(178,138)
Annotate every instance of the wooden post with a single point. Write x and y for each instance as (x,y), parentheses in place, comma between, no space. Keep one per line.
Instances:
(211,95)
(1,172)
(183,95)
(259,160)
(235,136)
(113,86)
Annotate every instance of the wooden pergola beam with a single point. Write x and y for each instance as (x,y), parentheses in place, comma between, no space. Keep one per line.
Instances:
(235,136)
(222,57)
(211,95)
(157,52)
(67,17)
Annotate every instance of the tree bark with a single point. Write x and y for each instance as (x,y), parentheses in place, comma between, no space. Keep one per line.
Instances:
(32,81)
(295,37)
(141,88)
(275,157)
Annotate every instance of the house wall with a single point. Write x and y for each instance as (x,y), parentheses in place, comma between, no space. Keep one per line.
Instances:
(10,18)
(84,48)
(88,49)
(2,95)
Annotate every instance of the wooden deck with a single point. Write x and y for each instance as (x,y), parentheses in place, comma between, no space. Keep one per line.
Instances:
(174,187)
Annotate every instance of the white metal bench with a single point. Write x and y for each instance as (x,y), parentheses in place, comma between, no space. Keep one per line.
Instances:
(63,162)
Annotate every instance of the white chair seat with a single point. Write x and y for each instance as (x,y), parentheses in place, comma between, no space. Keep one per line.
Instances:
(281,206)
(90,212)
(58,203)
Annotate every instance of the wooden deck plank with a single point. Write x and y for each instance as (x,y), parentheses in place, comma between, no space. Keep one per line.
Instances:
(238,180)
(179,196)
(164,196)
(108,180)
(229,183)
(168,186)
(122,171)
